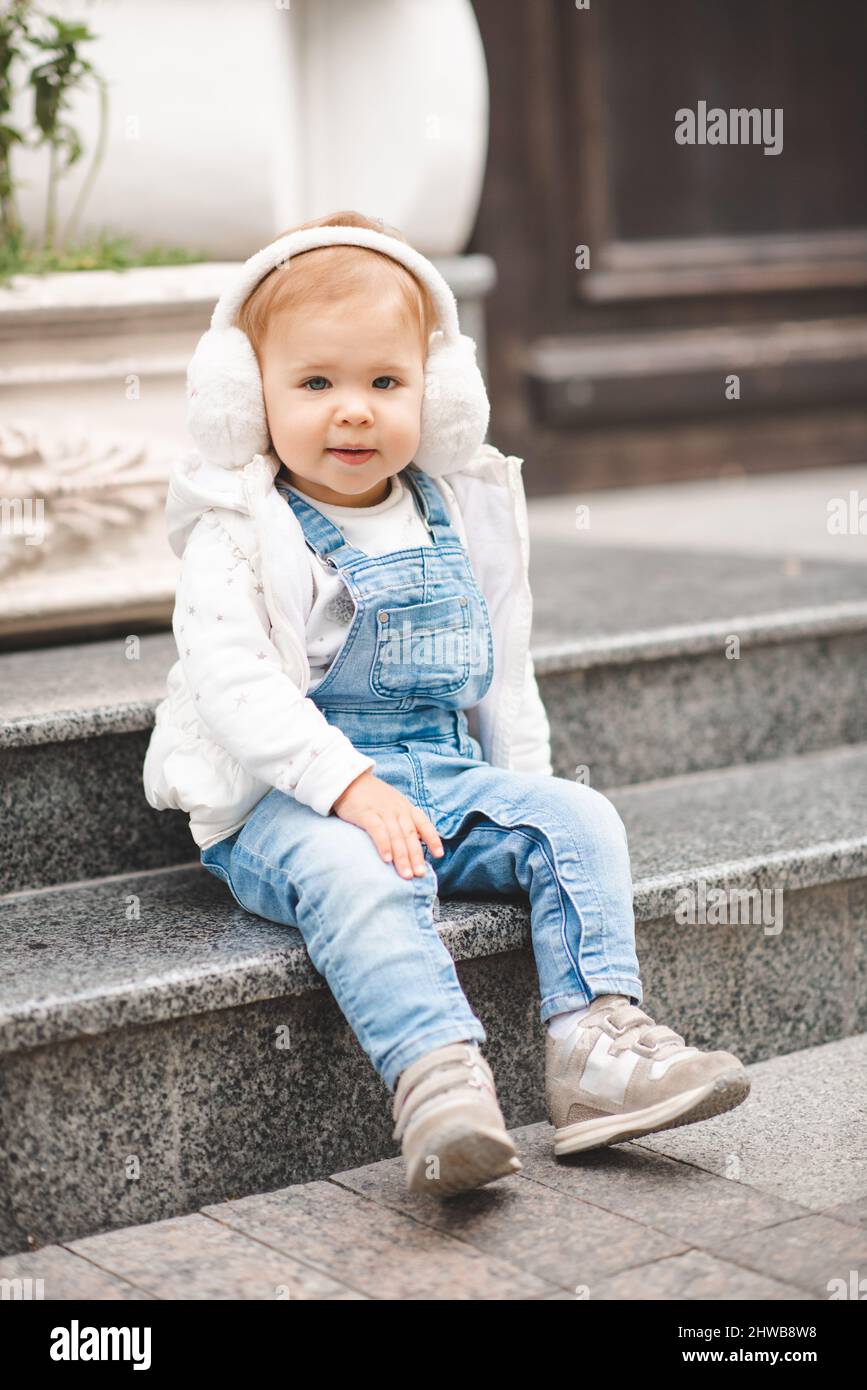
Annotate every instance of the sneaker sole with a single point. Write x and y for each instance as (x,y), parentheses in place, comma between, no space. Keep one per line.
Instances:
(469,1156)
(719,1095)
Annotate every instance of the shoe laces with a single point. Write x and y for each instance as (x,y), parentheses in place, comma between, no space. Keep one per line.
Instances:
(636,1026)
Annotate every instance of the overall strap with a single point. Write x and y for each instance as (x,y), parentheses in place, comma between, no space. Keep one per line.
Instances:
(329,541)
(431,504)
(320,533)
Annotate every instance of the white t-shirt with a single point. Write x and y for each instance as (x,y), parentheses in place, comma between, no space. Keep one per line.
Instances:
(393,524)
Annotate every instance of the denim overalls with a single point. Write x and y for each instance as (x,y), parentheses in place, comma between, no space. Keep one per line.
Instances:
(420,649)
(417,654)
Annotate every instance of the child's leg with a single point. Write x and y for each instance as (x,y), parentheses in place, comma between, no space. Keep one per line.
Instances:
(565,845)
(616,1074)
(369,931)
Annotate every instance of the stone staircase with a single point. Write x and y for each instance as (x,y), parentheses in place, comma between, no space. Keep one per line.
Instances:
(163,1050)
(766,1203)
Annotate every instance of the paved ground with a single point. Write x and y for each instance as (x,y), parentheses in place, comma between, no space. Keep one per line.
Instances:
(773,514)
(766,1202)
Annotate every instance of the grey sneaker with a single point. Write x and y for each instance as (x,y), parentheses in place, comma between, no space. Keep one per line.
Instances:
(452,1132)
(620,1075)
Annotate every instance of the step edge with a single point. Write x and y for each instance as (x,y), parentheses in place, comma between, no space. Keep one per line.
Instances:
(693,639)
(775,626)
(821,865)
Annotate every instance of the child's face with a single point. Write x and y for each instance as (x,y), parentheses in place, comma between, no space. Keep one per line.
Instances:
(350,374)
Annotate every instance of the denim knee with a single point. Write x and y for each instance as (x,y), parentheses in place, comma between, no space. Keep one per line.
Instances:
(605,808)
(597,815)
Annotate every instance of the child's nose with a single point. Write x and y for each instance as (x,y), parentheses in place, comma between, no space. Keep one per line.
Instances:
(356,410)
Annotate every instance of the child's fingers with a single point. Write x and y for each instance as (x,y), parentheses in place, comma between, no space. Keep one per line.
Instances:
(397,837)
(409,858)
(399,850)
(428,831)
(379,834)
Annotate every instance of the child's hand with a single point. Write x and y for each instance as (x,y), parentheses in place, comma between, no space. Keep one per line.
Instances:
(390,819)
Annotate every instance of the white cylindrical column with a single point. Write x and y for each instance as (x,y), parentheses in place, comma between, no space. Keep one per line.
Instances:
(232,121)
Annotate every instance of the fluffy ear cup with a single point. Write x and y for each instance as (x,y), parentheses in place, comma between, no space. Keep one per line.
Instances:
(455,408)
(225,404)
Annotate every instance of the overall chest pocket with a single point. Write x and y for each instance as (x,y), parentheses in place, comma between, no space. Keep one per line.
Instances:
(422,648)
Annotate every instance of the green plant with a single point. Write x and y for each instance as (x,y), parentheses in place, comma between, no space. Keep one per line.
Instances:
(105,250)
(27,33)
(13,34)
(62,70)
(51,48)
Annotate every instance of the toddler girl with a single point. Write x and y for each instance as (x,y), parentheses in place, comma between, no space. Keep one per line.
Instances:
(354,720)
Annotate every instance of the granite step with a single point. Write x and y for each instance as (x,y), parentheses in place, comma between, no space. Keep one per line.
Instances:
(638,676)
(767,1202)
(161,1048)
(676,662)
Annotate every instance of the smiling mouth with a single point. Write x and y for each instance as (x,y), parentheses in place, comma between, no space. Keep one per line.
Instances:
(352,456)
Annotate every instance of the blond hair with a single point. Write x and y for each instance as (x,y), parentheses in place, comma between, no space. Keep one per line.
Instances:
(327,273)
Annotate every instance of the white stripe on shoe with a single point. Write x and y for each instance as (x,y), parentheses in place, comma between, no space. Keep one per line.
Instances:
(606,1074)
(658,1069)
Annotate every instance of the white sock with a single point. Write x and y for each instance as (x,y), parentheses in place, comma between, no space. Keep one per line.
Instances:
(561,1025)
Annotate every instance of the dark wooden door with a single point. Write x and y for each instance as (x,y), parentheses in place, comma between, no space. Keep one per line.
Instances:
(672,299)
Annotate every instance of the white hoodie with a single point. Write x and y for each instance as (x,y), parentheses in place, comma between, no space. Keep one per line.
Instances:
(236,721)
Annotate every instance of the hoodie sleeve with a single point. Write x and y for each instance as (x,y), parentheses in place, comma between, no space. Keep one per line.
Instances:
(239,688)
(531,741)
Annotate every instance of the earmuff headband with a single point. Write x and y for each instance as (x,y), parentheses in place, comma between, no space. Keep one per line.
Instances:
(294,243)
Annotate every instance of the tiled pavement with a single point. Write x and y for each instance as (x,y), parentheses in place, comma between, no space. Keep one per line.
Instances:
(767,1202)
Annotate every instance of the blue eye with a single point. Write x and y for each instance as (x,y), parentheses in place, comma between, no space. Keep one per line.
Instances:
(309,382)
